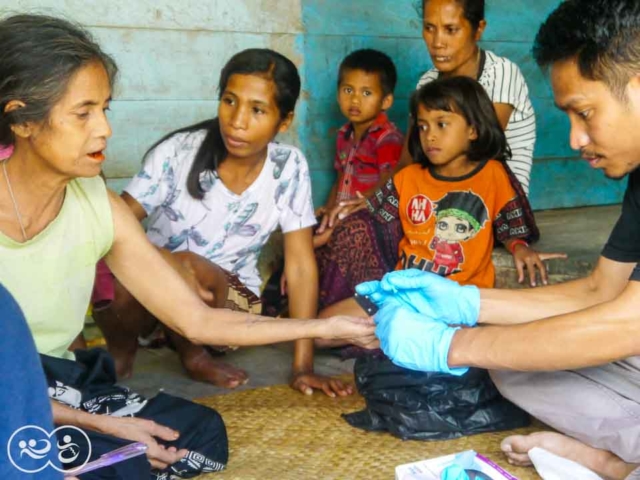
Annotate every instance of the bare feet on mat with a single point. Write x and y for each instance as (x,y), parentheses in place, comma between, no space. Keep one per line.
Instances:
(604,463)
(203,368)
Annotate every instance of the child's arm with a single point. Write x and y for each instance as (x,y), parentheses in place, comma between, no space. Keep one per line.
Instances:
(302,279)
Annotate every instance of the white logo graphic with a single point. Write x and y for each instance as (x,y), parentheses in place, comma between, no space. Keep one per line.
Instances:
(31,449)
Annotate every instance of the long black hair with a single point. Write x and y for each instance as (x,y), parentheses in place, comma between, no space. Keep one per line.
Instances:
(466,97)
(39,55)
(262,62)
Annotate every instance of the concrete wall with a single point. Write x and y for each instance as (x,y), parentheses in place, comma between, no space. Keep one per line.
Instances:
(170,54)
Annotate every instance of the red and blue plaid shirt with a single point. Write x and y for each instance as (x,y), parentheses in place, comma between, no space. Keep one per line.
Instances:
(362,164)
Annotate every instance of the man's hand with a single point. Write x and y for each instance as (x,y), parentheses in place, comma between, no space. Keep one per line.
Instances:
(414,341)
(308,382)
(146,431)
(428,294)
(524,256)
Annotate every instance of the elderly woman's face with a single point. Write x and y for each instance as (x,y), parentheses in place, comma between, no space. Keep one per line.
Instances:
(71,142)
(449,36)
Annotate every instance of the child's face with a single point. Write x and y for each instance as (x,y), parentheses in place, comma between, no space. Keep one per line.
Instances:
(453,229)
(449,36)
(71,141)
(361,98)
(249,116)
(445,137)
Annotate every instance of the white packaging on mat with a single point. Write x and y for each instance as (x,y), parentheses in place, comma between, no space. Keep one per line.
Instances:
(477,467)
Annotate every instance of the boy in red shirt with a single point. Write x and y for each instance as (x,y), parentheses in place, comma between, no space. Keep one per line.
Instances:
(368,146)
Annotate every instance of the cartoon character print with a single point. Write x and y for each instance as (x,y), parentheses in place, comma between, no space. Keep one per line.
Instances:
(459,218)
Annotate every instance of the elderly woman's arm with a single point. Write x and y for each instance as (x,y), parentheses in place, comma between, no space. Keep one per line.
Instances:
(143,272)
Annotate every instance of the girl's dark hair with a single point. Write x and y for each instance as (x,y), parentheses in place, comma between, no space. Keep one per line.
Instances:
(473,11)
(38,57)
(261,62)
(466,97)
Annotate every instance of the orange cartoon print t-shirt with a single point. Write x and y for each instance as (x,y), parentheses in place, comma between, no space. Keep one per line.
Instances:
(448,222)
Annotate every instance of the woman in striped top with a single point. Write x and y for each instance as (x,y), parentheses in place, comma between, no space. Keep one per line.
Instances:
(451,31)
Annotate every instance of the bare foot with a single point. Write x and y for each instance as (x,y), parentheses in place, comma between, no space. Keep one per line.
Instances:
(203,368)
(604,463)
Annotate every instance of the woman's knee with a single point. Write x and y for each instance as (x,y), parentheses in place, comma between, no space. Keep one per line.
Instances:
(208,275)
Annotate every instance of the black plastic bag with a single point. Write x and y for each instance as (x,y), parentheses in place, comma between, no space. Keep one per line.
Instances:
(430,406)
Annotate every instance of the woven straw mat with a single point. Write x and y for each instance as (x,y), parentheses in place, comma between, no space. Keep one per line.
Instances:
(278,433)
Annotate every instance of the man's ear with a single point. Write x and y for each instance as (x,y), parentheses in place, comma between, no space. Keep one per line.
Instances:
(387,102)
(286,123)
(23,130)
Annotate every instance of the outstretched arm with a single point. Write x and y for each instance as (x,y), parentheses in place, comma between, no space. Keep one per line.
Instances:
(142,270)
(593,336)
(606,282)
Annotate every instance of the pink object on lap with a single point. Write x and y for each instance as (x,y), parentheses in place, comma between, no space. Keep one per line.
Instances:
(104,288)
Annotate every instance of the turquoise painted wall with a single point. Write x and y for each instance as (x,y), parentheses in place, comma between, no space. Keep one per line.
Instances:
(333,28)
(170,54)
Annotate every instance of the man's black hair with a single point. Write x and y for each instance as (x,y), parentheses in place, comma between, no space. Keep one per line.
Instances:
(603,36)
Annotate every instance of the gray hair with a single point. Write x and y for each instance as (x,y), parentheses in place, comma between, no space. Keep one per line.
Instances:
(39,55)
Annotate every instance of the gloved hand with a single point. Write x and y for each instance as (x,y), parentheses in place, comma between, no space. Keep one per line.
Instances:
(412,340)
(427,293)
(454,472)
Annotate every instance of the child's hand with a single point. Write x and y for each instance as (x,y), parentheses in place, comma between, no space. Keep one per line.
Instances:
(341,211)
(524,256)
(320,211)
(308,382)
(320,239)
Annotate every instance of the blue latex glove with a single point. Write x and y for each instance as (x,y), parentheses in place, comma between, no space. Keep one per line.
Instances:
(454,472)
(412,340)
(429,294)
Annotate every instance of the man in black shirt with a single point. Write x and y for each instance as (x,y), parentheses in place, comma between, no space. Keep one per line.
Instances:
(569,353)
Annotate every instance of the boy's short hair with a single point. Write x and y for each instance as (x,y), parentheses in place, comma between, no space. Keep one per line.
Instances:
(371,61)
